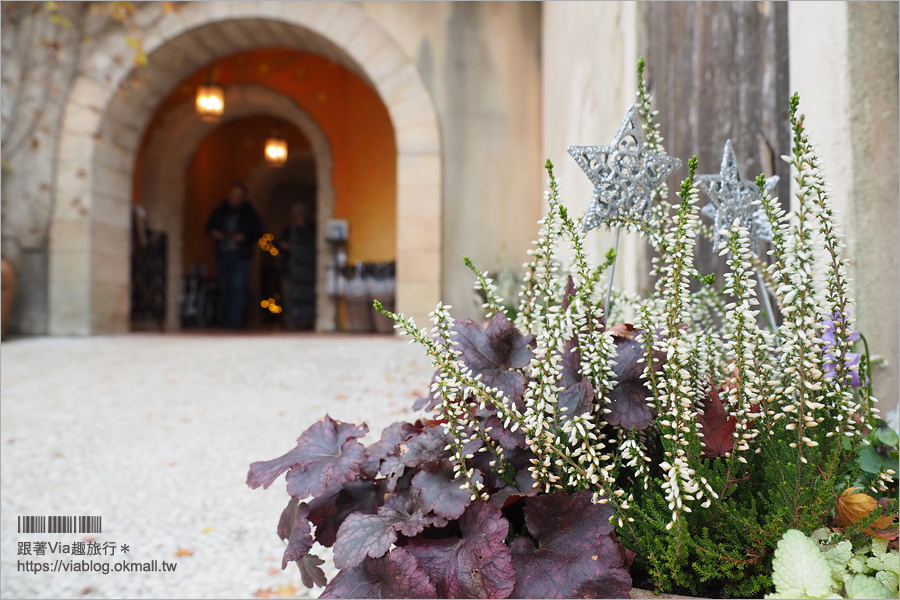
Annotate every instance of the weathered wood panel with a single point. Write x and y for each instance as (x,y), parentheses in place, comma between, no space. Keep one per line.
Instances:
(718,71)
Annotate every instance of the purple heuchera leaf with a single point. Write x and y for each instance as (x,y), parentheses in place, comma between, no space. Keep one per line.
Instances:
(393,470)
(360,536)
(310,573)
(328,512)
(427,447)
(372,535)
(295,527)
(288,515)
(326,454)
(300,540)
(407,515)
(506,438)
(576,399)
(494,352)
(629,405)
(391,437)
(439,491)
(396,575)
(576,555)
(478,565)
(628,399)
(571,363)
(630,350)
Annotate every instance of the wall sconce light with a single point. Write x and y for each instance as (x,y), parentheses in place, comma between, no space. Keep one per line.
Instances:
(210,101)
(276,151)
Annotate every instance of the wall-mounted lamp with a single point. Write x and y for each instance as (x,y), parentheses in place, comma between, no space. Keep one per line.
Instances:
(210,101)
(276,151)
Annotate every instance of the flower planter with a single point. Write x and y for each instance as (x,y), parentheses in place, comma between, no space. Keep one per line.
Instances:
(568,449)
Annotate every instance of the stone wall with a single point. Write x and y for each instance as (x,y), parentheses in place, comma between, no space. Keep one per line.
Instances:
(844,65)
(481,62)
(35,83)
(589,58)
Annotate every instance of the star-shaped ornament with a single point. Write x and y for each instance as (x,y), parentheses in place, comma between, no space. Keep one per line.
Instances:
(624,174)
(732,198)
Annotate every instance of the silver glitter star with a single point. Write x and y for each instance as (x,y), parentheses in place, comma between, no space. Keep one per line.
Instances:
(732,198)
(624,174)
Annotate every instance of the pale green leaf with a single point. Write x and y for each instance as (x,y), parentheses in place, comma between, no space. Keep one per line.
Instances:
(884,562)
(800,570)
(837,558)
(863,586)
(890,580)
(857,564)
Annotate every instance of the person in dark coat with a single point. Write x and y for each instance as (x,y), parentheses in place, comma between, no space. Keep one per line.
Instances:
(235,228)
(298,243)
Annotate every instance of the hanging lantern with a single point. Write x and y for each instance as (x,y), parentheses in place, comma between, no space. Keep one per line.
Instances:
(210,102)
(276,151)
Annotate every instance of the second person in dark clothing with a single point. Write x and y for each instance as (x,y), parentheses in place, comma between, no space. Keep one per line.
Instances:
(298,244)
(235,228)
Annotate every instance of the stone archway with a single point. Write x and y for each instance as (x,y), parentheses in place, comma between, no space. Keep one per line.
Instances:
(106,115)
(169,152)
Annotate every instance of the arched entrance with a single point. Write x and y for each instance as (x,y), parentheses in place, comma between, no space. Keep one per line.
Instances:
(165,161)
(234,151)
(110,105)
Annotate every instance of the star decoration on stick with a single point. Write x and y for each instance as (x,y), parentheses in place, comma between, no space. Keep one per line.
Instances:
(732,198)
(624,174)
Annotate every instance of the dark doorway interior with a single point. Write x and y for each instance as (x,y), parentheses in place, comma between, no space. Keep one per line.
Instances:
(289,276)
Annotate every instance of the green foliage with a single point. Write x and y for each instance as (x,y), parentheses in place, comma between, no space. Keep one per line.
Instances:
(819,567)
(878,461)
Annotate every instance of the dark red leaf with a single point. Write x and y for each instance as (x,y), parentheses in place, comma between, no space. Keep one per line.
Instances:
(326,454)
(396,575)
(576,554)
(716,426)
(328,512)
(477,565)
(494,352)
(440,492)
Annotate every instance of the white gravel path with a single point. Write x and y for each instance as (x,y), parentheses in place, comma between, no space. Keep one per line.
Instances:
(155,434)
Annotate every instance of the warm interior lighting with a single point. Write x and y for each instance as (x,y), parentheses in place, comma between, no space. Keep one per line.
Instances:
(276,151)
(210,102)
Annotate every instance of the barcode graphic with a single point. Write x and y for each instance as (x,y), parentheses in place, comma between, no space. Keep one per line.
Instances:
(60,524)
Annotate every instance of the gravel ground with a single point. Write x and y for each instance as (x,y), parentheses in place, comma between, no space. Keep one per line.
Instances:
(155,434)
